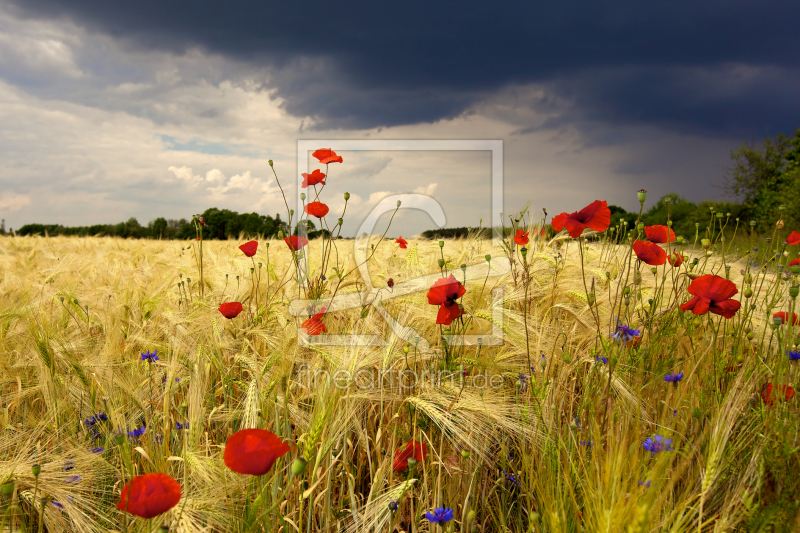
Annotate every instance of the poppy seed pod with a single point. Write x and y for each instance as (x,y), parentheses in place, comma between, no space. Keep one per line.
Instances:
(642,194)
(36,470)
(465,454)
(793,291)
(640,226)
(270,162)
(398,203)
(405,349)
(706,243)
(795,269)
(781,208)
(748,292)
(291,211)
(412,462)
(441,263)
(441,244)
(302,196)
(346,196)
(524,251)
(299,466)
(487,257)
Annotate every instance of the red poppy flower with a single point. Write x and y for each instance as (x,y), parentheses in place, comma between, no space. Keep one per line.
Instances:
(542,233)
(444,293)
(594,216)
(198,238)
(390,282)
(635,342)
(659,234)
(249,248)
(230,309)
(314,178)
(414,449)
(314,325)
(712,293)
(793,238)
(295,243)
(676,259)
(794,262)
(253,451)
(650,253)
(317,209)
(521,238)
(784,391)
(150,495)
(402,242)
(326,155)
(784,316)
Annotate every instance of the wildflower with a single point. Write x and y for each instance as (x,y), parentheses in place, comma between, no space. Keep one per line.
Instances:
(57,505)
(649,253)
(603,359)
(413,449)
(784,317)
(712,293)
(314,325)
(402,242)
(657,444)
(149,495)
(230,309)
(444,293)
(784,390)
(594,216)
(249,248)
(73,479)
(511,480)
(326,155)
(69,464)
(439,516)
(98,449)
(393,505)
(317,209)
(523,382)
(149,357)
(793,238)
(645,484)
(521,238)
(625,333)
(295,243)
(794,356)
(673,378)
(659,234)
(136,433)
(253,451)
(675,259)
(794,262)
(390,283)
(314,178)
(586,443)
(178,425)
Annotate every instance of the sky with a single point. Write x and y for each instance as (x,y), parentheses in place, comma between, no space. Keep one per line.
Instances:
(112,110)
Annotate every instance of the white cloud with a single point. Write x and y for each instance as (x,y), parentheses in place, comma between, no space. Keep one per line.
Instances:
(12,202)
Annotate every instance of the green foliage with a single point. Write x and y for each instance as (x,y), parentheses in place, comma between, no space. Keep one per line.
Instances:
(220,224)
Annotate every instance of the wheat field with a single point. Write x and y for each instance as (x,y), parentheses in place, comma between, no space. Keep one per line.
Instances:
(544,428)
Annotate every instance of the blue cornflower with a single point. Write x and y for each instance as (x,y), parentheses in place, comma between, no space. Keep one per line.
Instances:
(511,479)
(69,464)
(57,505)
(178,425)
(755,249)
(603,359)
(645,484)
(137,432)
(624,333)
(98,449)
(149,357)
(578,422)
(657,444)
(673,377)
(393,505)
(73,479)
(586,443)
(794,356)
(440,516)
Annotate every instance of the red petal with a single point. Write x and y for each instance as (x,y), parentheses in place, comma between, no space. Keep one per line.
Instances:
(253,451)
(317,209)
(448,313)
(249,248)
(659,234)
(230,309)
(725,308)
(596,216)
(150,495)
(650,253)
(574,227)
(793,238)
(558,221)
(712,287)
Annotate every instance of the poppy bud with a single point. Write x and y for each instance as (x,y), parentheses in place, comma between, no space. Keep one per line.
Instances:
(270,162)
(441,263)
(654,270)
(640,227)
(405,349)
(441,244)
(642,194)
(627,300)
(302,196)
(779,224)
(346,196)
(465,454)
(364,312)
(398,203)
(781,208)
(280,234)
(706,243)
(298,466)
(7,489)
(748,292)
(669,223)
(488,257)
(36,470)
(591,298)
(626,291)
(709,253)
(793,291)
(719,215)
(750,336)
(341,221)
(637,277)
(463,267)
(390,283)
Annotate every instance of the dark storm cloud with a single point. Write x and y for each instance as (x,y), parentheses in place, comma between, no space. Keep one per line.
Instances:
(713,67)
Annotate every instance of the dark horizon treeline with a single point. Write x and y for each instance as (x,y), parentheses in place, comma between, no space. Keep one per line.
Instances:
(220,224)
